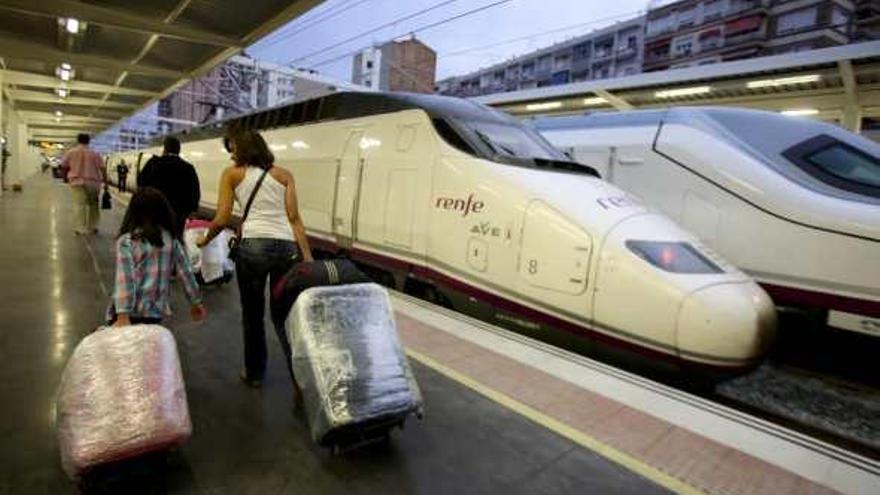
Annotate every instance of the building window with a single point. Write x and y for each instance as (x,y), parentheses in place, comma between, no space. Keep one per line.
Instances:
(659,25)
(582,51)
(710,39)
(579,76)
(796,21)
(560,77)
(713,9)
(528,69)
(687,17)
(632,42)
(683,47)
(545,63)
(369,64)
(561,62)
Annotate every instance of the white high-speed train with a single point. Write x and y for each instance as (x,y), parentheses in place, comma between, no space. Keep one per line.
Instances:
(466,204)
(793,202)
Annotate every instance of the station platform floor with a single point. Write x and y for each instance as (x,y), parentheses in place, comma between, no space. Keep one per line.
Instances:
(503,414)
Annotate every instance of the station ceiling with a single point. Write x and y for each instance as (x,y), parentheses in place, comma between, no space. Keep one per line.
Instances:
(121,55)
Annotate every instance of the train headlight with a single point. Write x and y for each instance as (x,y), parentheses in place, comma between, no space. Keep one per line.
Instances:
(675,257)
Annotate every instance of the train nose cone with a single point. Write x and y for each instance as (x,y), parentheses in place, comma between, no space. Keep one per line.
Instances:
(734,323)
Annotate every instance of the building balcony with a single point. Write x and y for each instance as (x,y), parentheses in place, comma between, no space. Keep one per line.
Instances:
(742,6)
(735,11)
(602,54)
(739,38)
(626,52)
(651,58)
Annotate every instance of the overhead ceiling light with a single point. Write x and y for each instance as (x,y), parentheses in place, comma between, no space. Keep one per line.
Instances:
(598,100)
(62,92)
(550,105)
(783,81)
(300,145)
(672,93)
(59,113)
(72,25)
(800,112)
(64,72)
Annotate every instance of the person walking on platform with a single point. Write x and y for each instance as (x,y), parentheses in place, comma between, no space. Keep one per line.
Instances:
(148,255)
(122,175)
(272,234)
(85,175)
(176,179)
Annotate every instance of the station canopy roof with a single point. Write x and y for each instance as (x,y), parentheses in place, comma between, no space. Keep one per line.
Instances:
(830,83)
(118,55)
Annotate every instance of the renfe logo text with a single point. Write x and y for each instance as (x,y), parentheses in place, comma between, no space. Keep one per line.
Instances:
(465,206)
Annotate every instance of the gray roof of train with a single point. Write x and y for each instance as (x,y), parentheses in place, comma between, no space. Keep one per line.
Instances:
(348,105)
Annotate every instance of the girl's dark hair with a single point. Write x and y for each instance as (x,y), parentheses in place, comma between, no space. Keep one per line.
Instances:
(148,214)
(250,149)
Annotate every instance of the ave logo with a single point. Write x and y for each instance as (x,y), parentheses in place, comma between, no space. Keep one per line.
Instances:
(465,206)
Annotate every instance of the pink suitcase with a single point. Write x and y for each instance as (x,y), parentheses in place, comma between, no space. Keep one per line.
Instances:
(121,395)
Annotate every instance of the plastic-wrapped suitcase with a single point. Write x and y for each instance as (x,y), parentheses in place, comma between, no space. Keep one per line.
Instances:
(121,395)
(355,379)
(309,274)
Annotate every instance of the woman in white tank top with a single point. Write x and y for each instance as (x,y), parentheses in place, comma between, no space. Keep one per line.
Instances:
(272,236)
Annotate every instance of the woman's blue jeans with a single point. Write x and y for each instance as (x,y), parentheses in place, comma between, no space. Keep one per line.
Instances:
(258,260)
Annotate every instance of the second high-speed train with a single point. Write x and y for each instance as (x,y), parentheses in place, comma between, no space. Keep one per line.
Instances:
(465,204)
(793,202)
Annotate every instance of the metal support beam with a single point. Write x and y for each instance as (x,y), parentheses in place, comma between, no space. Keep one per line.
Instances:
(44,81)
(113,18)
(40,97)
(26,50)
(38,116)
(852,112)
(63,125)
(615,101)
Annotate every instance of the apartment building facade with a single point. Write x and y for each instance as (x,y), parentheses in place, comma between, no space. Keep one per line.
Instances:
(240,85)
(699,32)
(407,65)
(614,51)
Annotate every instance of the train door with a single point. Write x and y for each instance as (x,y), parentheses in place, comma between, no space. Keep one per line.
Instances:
(554,258)
(348,190)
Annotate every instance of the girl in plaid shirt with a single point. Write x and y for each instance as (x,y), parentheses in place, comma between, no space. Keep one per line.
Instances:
(147,256)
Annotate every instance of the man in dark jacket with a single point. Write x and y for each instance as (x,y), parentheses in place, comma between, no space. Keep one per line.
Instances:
(175,178)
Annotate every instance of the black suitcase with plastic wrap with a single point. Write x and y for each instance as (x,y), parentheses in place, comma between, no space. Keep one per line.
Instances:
(309,274)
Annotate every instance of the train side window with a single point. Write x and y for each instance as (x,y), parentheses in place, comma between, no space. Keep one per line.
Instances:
(452,137)
(838,164)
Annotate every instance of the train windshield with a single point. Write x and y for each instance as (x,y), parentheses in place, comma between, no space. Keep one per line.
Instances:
(508,140)
(817,155)
(509,143)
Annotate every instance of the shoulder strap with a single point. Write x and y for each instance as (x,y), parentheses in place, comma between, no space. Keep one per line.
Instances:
(250,201)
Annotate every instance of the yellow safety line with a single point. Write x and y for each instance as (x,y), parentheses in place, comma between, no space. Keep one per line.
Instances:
(614,455)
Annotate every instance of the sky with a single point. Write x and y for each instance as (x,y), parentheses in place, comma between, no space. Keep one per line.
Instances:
(326,38)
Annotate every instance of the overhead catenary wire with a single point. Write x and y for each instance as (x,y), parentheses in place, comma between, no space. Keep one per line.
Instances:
(319,19)
(374,30)
(415,31)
